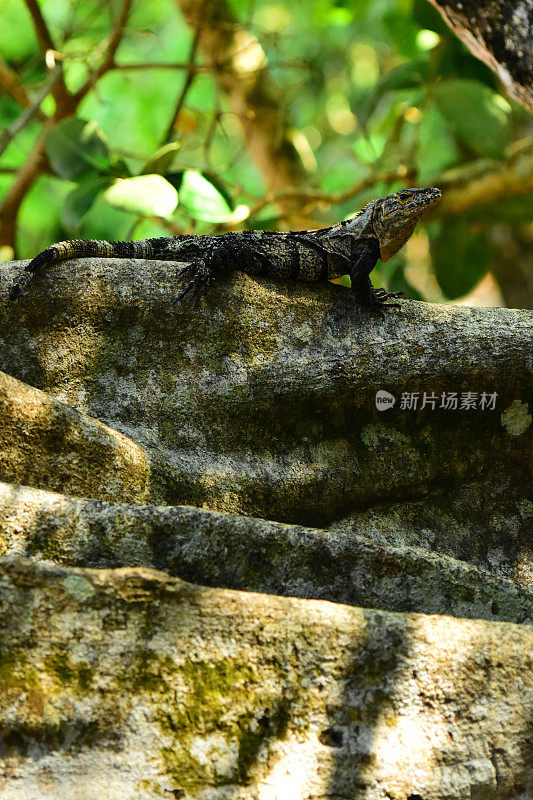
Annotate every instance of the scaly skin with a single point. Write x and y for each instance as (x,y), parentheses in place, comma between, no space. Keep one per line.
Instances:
(351,247)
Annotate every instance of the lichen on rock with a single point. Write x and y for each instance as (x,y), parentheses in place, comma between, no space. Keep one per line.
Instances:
(237,448)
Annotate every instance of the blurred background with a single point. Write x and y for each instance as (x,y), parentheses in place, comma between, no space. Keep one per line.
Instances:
(126,120)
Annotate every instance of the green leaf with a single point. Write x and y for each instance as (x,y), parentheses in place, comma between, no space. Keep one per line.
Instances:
(40,216)
(369,149)
(161,159)
(149,195)
(405,76)
(428,17)
(402,31)
(344,280)
(76,147)
(17,39)
(437,148)
(103,221)
(268,222)
(479,116)
(219,186)
(451,59)
(202,199)
(120,169)
(460,257)
(80,200)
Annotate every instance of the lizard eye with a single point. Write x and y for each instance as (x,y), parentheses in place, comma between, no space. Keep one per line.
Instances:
(404,194)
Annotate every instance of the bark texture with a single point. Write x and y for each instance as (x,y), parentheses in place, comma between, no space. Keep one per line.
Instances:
(499,32)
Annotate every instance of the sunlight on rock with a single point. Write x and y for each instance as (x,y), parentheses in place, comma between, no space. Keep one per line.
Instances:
(292,774)
(51,445)
(516,419)
(215,755)
(404,749)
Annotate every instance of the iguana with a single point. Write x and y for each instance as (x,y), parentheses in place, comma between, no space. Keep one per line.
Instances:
(351,247)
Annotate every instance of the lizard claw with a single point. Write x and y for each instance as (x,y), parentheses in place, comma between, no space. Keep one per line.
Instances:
(380,298)
(202,279)
(376,302)
(382,294)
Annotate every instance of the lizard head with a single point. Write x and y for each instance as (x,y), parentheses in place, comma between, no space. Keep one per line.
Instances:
(394,218)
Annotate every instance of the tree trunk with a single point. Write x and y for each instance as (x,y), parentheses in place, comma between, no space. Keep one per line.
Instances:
(497,32)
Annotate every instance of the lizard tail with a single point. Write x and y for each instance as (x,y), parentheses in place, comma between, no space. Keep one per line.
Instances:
(79,248)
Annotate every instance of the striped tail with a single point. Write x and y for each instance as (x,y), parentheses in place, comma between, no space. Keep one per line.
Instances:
(80,248)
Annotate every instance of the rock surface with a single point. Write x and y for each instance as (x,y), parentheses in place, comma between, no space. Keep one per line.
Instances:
(128,683)
(238,445)
(46,442)
(257,555)
(262,400)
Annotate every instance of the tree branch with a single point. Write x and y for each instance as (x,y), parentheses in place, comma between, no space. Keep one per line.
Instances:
(479,184)
(191,72)
(9,82)
(30,170)
(241,69)
(497,32)
(64,102)
(66,105)
(512,264)
(464,189)
(109,58)
(315,198)
(14,129)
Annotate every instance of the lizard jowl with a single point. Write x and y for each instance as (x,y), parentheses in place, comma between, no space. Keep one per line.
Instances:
(351,247)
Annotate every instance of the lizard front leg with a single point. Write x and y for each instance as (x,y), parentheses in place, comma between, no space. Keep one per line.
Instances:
(201,278)
(200,273)
(366,295)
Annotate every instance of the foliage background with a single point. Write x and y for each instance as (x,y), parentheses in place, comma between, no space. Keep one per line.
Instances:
(370,96)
